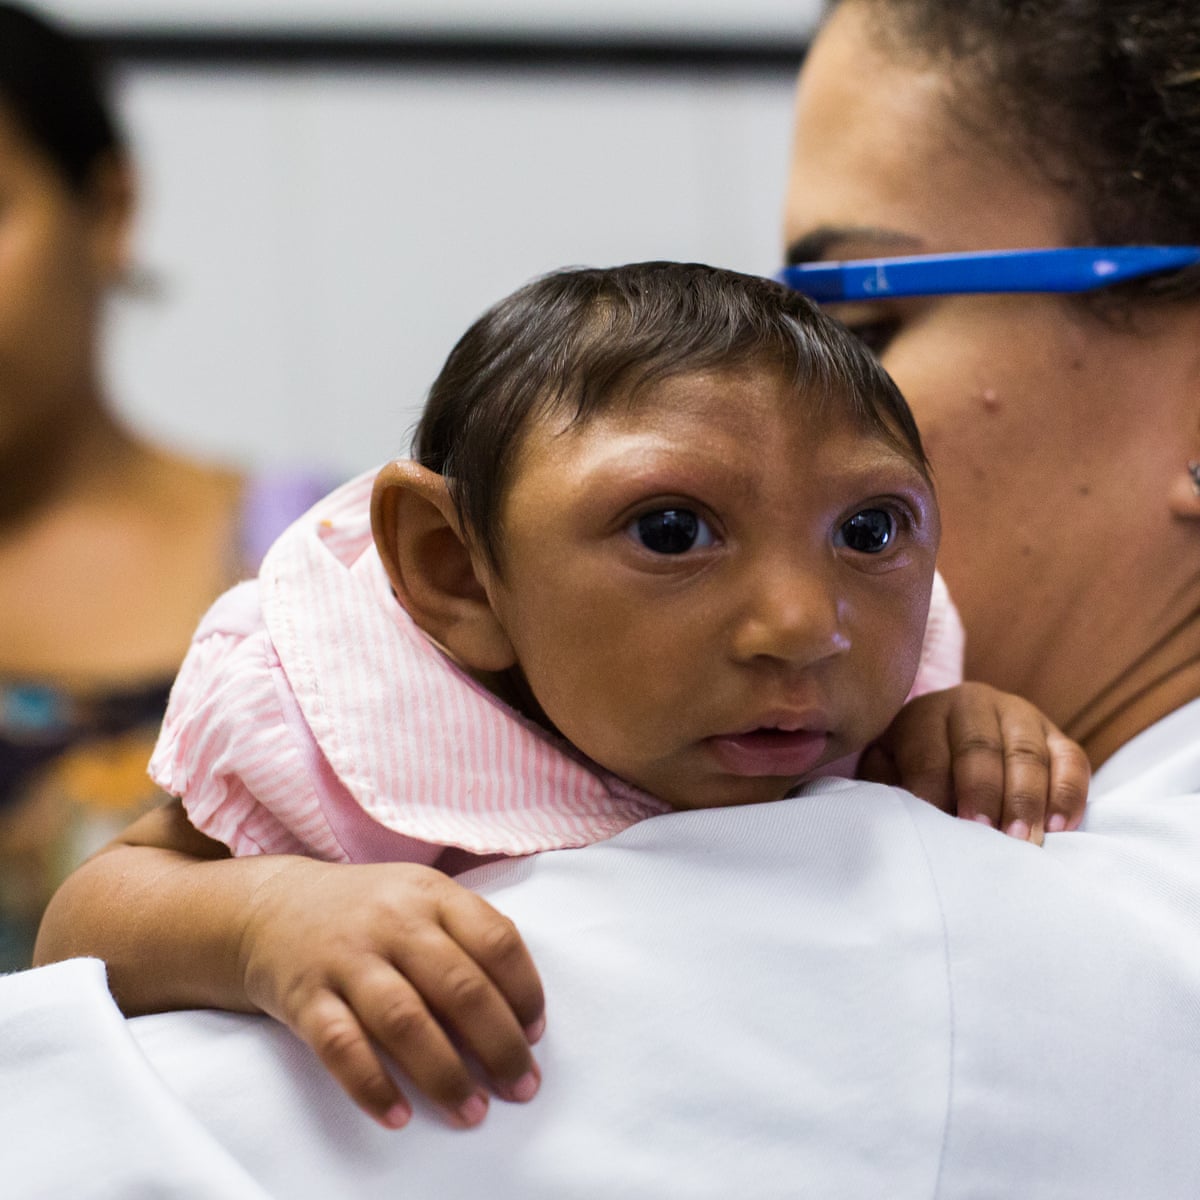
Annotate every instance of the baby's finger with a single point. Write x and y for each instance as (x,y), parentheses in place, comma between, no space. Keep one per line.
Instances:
(920,757)
(329,1026)
(494,942)
(1070,774)
(394,1011)
(1026,773)
(467,1002)
(977,747)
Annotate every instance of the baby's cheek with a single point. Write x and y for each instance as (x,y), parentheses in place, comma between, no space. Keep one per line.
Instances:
(887,679)
(596,709)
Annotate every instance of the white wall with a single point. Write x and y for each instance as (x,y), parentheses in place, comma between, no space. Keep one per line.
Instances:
(745,18)
(323,236)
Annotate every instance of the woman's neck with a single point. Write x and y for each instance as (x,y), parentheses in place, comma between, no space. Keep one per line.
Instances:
(1164,678)
(110,550)
(81,453)
(1101,628)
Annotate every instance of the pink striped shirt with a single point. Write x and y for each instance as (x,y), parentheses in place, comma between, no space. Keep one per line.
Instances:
(312,716)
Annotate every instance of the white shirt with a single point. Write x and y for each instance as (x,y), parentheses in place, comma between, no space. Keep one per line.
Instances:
(846,994)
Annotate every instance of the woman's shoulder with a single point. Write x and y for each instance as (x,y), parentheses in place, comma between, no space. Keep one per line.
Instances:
(1163,760)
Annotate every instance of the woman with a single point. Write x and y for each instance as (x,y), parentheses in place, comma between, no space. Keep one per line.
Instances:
(110,547)
(1064,431)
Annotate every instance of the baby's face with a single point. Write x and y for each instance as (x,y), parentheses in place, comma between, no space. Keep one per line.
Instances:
(712,595)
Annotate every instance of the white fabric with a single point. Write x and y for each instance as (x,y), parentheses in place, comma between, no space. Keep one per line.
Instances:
(81,1112)
(847,994)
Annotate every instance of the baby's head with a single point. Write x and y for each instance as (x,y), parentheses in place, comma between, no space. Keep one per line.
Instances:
(676,514)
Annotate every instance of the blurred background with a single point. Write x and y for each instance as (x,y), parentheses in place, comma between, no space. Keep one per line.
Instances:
(331,190)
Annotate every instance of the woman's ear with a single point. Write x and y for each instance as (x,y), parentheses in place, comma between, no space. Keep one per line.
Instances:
(1184,497)
(112,198)
(435,574)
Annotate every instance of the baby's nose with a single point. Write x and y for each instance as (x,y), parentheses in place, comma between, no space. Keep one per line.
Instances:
(794,616)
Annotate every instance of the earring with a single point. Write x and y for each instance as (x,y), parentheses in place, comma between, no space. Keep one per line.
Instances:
(1194,471)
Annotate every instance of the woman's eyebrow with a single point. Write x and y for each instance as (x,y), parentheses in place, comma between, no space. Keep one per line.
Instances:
(822,242)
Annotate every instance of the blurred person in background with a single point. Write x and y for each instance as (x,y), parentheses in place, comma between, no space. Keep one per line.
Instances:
(110,547)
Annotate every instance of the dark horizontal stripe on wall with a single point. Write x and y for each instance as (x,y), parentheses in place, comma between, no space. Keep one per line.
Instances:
(253,48)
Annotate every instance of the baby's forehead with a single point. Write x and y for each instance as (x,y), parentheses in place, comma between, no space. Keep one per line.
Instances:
(723,396)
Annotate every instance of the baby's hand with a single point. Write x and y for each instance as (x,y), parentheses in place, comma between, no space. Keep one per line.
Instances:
(402,956)
(987,755)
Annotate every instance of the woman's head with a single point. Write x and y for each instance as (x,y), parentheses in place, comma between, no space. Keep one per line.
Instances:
(66,201)
(579,342)
(50,88)
(1059,436)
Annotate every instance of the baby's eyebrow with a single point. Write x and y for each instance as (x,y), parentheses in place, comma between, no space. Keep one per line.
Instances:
(818,243)
(684,472)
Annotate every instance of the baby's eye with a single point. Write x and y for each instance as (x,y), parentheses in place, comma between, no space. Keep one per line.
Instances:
(671,531)
(870,531)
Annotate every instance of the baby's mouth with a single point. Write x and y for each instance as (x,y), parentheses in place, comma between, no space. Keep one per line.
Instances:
(770,752)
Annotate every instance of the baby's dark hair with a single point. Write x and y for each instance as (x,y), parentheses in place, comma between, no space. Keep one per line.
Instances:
(52,87)
(583,340)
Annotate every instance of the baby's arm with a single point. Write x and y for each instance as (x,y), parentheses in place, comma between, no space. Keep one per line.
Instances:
(342,954)
(987,755)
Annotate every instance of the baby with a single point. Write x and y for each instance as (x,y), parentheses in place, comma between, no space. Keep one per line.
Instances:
(667,543)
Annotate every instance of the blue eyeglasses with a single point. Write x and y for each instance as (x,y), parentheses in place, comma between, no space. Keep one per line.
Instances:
(1067,270)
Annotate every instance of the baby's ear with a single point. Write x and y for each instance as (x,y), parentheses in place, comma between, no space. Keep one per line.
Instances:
(435,574)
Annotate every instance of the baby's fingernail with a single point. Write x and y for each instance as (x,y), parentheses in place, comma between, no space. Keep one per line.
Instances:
(473,1111)
(1056,824)
(398,1115)
(525,1088)
(1019,830)
(983,819)
(535,1029)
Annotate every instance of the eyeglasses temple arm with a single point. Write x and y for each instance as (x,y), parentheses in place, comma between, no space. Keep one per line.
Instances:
(1062,270)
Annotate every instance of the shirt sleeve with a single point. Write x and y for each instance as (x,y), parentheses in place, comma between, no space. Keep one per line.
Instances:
(225,743)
